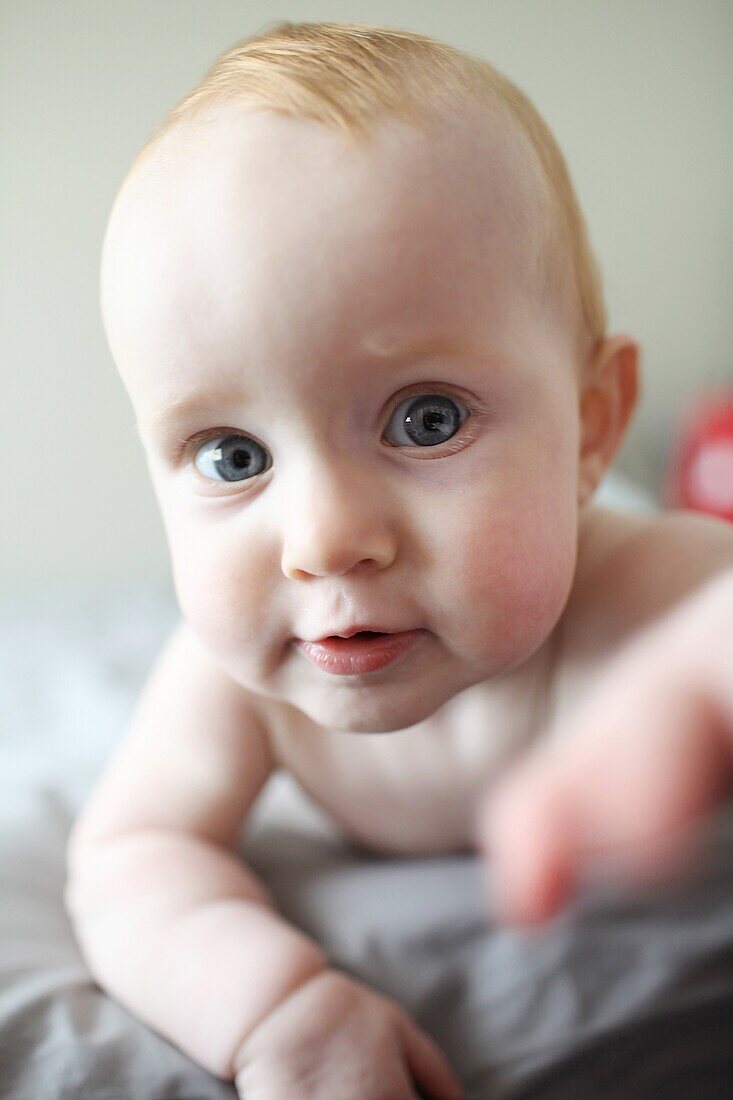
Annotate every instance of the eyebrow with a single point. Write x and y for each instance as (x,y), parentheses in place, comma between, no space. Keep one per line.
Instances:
(163,423)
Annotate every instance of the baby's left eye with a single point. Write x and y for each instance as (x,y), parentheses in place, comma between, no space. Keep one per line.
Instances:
(426,420)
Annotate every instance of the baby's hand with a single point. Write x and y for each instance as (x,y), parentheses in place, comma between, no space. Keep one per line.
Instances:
(335,1039)
(624,787)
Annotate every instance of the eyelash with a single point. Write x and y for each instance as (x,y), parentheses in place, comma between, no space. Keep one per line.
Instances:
(188,446)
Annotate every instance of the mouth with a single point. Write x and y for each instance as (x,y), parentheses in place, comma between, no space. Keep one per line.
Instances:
(357,631)
(359,651)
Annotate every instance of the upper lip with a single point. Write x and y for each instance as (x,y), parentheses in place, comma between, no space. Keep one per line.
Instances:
(349,631)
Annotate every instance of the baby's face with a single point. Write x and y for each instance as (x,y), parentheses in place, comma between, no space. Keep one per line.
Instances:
(355,406)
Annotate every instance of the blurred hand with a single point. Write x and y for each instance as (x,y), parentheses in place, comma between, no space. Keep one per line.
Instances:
(625,786)
(335,1039)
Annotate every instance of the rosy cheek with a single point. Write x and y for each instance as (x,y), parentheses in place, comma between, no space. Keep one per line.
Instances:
(512,576)
(198,596)
(220,588)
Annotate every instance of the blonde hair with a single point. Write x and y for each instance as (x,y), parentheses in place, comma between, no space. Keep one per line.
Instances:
(349,75)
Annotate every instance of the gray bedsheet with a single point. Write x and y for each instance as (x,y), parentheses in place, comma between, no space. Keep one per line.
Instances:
(621,996)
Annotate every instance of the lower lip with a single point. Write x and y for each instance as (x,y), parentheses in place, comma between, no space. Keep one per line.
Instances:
(353,656)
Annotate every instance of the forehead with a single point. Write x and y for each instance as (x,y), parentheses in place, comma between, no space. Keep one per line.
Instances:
(258,232)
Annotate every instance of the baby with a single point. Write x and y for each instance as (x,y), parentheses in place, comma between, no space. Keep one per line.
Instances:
(349,291)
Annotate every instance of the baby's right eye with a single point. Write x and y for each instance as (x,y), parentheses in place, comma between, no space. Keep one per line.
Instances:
(231,458)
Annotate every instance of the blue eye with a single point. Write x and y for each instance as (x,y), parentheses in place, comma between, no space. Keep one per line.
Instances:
(426,420)
(231,458)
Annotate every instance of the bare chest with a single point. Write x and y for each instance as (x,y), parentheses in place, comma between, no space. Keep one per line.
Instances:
(418,790)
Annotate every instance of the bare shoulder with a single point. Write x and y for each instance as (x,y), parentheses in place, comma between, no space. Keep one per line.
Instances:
(235,713)
(633,568)
(194,757)
(199,674)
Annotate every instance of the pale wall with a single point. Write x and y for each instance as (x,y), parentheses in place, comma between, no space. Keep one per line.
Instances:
(639,95)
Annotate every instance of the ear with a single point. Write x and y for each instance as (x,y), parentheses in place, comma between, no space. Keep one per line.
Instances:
(608,398)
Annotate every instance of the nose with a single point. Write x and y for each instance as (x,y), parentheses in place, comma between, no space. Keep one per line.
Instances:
(335,522)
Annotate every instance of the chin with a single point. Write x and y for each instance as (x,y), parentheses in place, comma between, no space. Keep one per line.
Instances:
(362,709)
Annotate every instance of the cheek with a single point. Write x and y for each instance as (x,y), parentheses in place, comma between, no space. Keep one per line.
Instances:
(511,572)
(221,586)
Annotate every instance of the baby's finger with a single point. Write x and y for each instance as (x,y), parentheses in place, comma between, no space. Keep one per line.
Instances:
(527,837)
(426,1062)
(622,793)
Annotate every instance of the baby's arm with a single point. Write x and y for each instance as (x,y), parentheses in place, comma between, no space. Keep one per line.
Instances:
(171,921)
(649,754)
(174,924)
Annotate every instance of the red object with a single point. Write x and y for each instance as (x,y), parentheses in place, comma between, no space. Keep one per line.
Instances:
(701,471)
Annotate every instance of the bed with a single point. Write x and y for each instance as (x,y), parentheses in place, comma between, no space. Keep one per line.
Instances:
(621,996)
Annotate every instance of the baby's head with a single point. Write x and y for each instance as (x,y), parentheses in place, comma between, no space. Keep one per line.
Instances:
(349,291)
